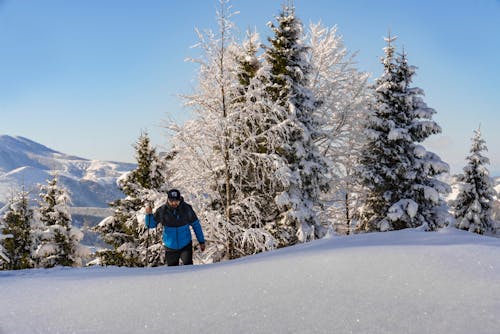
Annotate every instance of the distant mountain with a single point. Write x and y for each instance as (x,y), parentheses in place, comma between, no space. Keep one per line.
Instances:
(91,183)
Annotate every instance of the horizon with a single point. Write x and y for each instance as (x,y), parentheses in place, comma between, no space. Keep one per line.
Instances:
(90,76)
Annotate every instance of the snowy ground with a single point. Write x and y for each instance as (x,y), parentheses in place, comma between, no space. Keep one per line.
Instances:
(396,282)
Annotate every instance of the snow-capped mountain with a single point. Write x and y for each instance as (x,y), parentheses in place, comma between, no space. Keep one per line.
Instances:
(91,183)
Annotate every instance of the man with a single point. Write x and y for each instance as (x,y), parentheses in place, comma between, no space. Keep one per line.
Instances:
(176,216)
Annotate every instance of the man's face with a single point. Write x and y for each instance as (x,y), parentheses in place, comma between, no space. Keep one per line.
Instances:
(173,203)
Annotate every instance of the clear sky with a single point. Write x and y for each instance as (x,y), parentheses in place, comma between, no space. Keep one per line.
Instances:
(85,77)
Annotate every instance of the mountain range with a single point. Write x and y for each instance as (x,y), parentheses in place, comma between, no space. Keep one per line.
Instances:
(25,163)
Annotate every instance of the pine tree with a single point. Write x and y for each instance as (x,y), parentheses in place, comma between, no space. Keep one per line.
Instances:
(474,203)
(17,224)
(299,128)
(4,259)
(399,174)
(426,190)
(59,241)
(125,230)
(248,63)
(377,154)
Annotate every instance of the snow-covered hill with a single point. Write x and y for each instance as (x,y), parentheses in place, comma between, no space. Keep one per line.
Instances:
(91,183)
(395,282)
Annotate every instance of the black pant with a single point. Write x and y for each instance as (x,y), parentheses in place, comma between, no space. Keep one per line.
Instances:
(185,254)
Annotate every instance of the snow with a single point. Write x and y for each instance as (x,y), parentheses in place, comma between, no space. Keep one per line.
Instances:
(397,134)
(411,209)
(3,256)
(431,194)
(407,281)
(399,209)
(419,151)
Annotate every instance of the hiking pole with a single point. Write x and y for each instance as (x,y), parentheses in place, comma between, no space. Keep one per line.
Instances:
(148,221)
(147,246)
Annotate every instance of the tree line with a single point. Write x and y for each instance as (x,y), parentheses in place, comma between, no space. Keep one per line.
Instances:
(40,236)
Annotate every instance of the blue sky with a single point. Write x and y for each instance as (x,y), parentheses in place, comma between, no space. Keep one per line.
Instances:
(85,77)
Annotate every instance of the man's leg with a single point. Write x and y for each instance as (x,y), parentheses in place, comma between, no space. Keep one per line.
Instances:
(172,257)
(187,254)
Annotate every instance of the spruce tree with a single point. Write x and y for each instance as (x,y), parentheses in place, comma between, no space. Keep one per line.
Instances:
(426,189)
(17,222)
(378,154)
(474,203)
(248,63)
(399,174)
(299,128)
(59,241)
(125,230)
(3,253)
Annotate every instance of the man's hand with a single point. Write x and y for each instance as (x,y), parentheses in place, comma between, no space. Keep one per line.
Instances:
(148,209)
(202,247)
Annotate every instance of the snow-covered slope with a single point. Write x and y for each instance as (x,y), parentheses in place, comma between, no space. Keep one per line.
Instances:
(395,282)
(91,183)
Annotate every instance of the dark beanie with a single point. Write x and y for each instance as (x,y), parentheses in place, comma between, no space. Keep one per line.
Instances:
(174,194)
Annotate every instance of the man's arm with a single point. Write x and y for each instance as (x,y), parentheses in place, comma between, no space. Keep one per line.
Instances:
(149,218)
(199,233)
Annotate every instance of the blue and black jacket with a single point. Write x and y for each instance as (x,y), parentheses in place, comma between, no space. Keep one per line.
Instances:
(176,222)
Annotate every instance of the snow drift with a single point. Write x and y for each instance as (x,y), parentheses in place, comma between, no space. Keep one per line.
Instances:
(395,282)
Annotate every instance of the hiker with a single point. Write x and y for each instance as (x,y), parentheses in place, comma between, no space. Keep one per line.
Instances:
(176,216)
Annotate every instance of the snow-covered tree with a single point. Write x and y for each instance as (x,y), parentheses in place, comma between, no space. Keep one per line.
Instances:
(17,222)
(342,90)
(3,253)
(59,241)
(400,175)
(474,203)
(150,172)
(248,63)
(495,211)
(274,124)
(225,166)
(299,129)
(427,190)
(255,161)
(125,230)
(203,145)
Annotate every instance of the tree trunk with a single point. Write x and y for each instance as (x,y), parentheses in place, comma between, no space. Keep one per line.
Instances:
(347,213)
